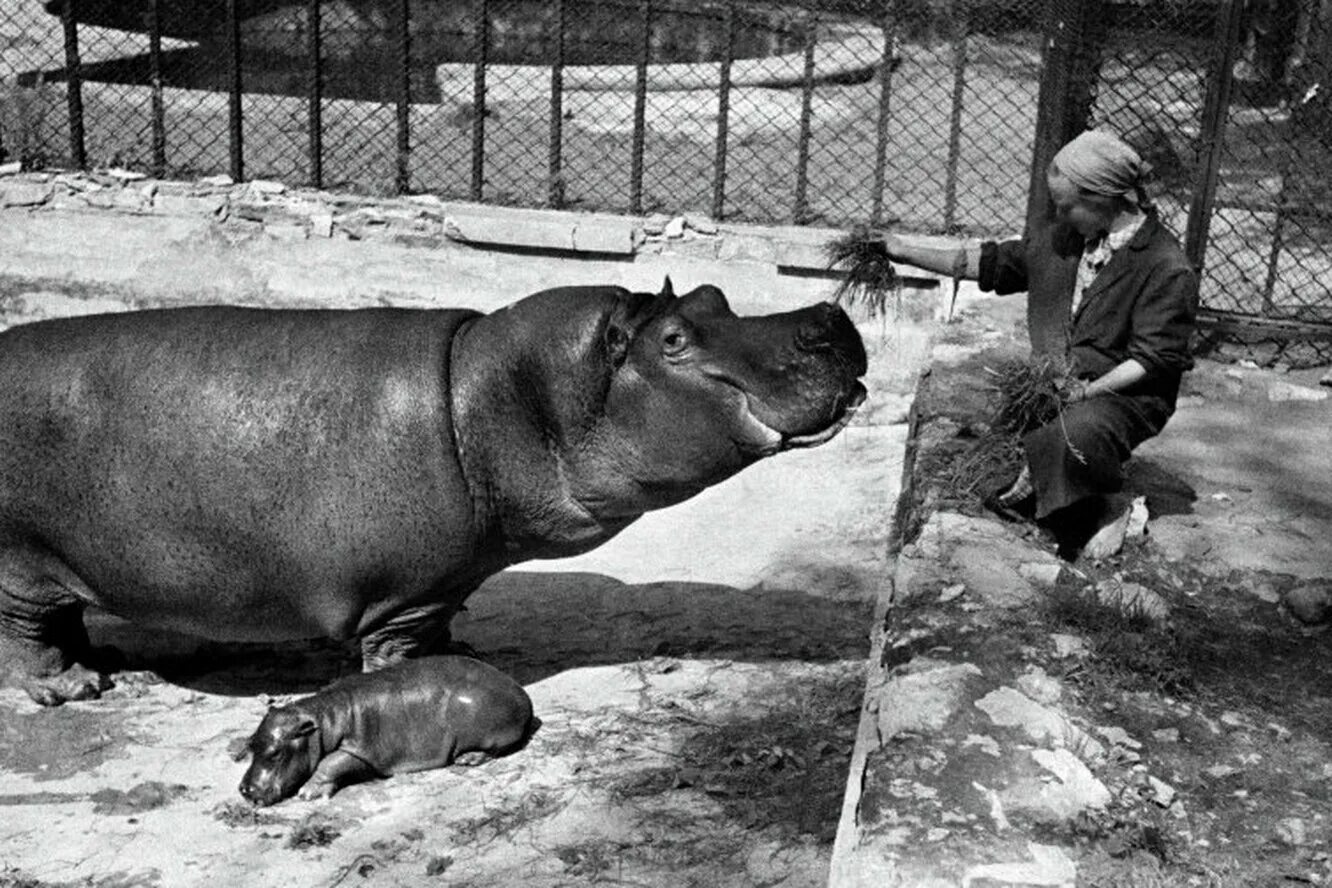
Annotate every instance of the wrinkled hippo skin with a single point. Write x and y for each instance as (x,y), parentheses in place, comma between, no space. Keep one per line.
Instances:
(413,716)
(266,475)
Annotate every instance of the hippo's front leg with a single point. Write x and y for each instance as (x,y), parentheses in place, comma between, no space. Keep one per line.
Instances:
(334,771)
(415,632)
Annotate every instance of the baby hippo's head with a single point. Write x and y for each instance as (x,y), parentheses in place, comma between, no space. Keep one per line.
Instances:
(284,751)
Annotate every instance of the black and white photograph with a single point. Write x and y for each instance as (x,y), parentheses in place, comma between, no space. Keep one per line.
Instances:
(665,443)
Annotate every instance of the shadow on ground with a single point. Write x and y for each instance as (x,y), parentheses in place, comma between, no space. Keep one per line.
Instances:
(532,626)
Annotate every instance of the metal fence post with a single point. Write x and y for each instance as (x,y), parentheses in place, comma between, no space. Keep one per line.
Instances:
(1278,237)
(555,166)
(1211,137)
(800,210)
(885,105)
(315,109)
(1070,60)
(73,84)
(236,131)
(961,34)
(723,116)
(640,114)
(158,104)
(402,181)
(481,49)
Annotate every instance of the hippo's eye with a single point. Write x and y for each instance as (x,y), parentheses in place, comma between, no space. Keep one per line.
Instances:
(674,341)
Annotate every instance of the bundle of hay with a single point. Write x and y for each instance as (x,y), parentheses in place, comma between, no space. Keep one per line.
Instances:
(870,276)
(1028,393)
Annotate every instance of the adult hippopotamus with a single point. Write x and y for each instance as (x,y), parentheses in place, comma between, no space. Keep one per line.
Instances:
(266,475)
(413,716)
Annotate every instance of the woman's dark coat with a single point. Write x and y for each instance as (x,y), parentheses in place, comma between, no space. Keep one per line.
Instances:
(1141,305)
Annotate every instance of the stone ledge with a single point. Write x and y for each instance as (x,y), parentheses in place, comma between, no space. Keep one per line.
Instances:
(289,214)
(972,751)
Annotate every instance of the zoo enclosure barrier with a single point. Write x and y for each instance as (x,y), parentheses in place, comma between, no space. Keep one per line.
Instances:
(927,115)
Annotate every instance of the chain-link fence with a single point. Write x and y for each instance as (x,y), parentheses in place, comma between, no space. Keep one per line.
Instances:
(917,114)
(1228,103)
(919,111)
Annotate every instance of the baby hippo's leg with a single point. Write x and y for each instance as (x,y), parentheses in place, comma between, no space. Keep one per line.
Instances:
(334,771)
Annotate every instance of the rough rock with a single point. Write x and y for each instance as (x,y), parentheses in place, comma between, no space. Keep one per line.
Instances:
(24,194)
(988,557)
(1049,865)
(1067,645)
(1040,686)
(923,696)
(1074,790)
(1310,602)
(1289,391)
(1133,599)
(1007,707)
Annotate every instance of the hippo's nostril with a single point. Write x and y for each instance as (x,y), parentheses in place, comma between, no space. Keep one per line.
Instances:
(809,338)
(823,327)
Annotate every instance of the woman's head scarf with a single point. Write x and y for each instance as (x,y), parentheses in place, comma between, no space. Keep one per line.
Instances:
(1102,164)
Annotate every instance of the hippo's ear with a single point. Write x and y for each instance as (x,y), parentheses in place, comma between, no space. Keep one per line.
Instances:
(239,749)
(617,344)
(667,291)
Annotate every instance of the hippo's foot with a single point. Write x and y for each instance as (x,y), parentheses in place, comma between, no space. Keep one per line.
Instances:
(472,759)
(314,790)
(336,769)
(75,683)
(44,645)
(416,632)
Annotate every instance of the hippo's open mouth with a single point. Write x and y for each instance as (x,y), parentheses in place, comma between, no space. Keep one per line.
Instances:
(759,438)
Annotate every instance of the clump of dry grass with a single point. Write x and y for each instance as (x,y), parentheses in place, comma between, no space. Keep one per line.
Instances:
(1029,393)
(870,276)
(315,830)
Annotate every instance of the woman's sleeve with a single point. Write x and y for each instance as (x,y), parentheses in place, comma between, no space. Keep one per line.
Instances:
(1003,266)
(1163,322)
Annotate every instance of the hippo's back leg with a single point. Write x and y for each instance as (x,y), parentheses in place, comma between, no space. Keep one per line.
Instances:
(416,632)
(42,636)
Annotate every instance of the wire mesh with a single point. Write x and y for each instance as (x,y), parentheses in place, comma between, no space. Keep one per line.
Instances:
(913,114)
(1267,233)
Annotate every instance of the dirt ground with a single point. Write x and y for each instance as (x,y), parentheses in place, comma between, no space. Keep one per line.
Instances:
(698,681)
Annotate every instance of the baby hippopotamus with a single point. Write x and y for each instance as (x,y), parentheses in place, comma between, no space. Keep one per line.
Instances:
(417,715)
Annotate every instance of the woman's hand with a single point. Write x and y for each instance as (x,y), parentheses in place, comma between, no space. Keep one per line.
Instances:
(1072,390)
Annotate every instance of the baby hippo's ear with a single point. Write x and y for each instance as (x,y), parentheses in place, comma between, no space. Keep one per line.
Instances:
(239,749)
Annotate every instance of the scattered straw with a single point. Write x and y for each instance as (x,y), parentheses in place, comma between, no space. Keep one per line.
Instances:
(870,275)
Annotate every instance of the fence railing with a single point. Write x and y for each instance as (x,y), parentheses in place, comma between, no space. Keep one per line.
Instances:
(770,113)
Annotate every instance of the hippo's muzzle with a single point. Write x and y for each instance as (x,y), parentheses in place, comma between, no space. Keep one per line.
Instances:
(796,377)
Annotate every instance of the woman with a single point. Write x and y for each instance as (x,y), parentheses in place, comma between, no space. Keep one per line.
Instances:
(1108,287)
